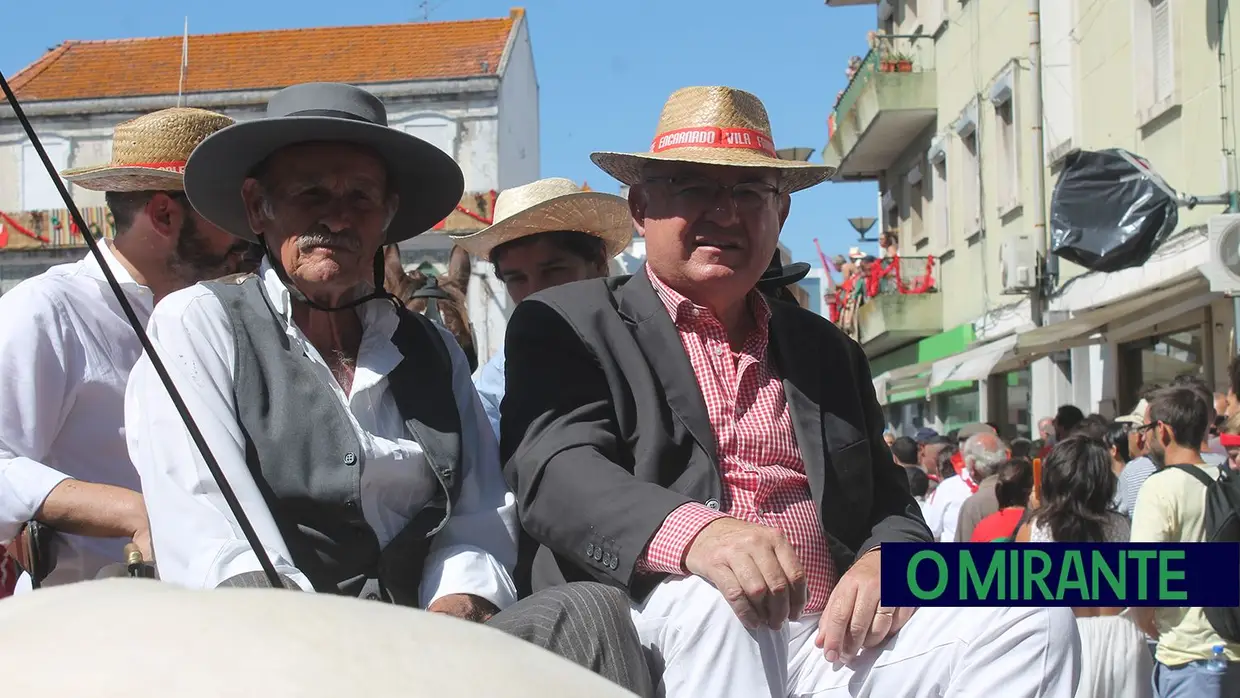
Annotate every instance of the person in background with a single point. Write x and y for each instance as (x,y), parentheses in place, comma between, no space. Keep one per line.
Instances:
(546,233)
(1073,505)
(1230,440)
(1170,508)
(1233,387)
(889,438)
(918,485)
(983,470)
(1021,448)
(66,350)
(1012,489)
(982,452)
(904,451)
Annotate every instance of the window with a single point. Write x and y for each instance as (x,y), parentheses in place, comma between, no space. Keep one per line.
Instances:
(941,200)
(1007,141)
(435,130)
(970,182)
(1153,58)
(913,229)
(1058,78)
(891,212)
(38,190)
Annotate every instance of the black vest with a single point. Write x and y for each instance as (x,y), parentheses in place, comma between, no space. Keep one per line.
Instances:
(304,454)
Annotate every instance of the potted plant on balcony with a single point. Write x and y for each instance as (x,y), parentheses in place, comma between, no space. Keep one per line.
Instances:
(901,62)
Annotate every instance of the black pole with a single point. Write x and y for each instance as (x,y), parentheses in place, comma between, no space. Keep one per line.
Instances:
(225,489)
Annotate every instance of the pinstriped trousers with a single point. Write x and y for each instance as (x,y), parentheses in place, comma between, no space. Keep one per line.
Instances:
(587,623)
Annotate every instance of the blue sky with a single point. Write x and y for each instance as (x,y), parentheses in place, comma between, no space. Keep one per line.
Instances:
(604,68)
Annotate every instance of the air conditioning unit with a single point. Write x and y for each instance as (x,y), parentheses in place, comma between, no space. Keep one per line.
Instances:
(1222,266)
(1018,262)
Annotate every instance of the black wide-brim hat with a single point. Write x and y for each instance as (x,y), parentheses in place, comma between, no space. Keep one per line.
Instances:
(427,180)
(779,275)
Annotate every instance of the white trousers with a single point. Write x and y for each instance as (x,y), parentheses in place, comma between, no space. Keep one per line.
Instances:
(695,640)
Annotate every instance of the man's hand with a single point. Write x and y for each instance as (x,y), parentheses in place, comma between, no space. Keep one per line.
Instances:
(853,618)
(754,567)
(464,606)
(142,539)
(1143,616)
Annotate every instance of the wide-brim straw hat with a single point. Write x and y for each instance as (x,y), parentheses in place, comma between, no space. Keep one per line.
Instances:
(552,204)
(427,180)
(714,126)
(149,152)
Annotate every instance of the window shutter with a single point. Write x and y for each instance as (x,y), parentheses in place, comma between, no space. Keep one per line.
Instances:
(942,207)
(1160,21)
(38,190)
(1058,76)
(438,132)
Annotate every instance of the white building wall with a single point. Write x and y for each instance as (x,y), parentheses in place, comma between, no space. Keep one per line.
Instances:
(518,144)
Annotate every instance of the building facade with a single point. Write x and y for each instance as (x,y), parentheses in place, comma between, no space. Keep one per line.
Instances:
(468,87)
(941,115)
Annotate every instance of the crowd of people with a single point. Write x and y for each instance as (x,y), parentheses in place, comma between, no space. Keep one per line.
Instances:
(1100,480)
(676,479)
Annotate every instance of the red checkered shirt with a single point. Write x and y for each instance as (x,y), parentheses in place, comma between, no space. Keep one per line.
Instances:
(764,479)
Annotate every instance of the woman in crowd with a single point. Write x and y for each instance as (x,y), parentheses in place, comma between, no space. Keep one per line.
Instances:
(1073,505)
(1012,490)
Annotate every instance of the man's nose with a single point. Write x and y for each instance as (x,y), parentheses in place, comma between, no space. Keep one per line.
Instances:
(722,211)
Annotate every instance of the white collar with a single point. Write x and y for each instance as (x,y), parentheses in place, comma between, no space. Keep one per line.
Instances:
(123,277)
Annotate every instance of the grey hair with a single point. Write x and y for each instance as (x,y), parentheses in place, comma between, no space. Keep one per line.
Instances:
(979,454)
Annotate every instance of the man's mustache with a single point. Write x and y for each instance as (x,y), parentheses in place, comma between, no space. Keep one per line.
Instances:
(346,239)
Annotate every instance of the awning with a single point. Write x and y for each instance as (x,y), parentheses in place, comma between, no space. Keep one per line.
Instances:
(1080,329)
(974,364)
(906,379)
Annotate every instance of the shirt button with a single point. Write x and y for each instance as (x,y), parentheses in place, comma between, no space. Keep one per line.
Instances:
(350,458)
(718,350)
(713,503)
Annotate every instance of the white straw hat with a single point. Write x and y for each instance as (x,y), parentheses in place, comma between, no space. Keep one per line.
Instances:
(552,204)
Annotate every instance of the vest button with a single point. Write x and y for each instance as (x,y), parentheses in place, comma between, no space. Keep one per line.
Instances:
(372,596)
(350,458)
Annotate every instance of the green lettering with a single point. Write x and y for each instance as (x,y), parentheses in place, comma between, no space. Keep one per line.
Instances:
(916,588)
(1013,577)
(1165,574)
(1036,577)
(1099,565)
(1072,563)
(1143,558)
(969,575)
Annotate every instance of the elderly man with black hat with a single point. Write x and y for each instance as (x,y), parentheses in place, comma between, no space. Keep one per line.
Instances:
(348,428)
(719,455)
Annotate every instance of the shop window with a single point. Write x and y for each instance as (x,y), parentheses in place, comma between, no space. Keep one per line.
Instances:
(957,409)
(1157,361)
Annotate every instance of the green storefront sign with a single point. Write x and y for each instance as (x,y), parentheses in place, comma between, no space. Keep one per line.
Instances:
(932,348)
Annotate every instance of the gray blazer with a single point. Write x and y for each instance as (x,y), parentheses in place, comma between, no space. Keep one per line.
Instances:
(605,432)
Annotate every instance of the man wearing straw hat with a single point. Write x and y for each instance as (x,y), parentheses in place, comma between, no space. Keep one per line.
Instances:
(66,351)
(721,457)
(546,233)
(348,428)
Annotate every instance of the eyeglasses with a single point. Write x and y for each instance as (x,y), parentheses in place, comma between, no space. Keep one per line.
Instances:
(700,192)
(1145,427)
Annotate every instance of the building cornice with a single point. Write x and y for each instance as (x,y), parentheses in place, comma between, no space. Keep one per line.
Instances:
(476,86)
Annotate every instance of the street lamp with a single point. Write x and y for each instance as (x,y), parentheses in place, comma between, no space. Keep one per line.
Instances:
(800,154)
(862,225)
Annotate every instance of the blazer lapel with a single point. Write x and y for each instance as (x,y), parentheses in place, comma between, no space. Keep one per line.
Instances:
(802,379)
(659,341)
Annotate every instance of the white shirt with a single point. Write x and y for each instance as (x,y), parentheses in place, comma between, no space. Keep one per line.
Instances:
(945,506)
(196,539)
(65,354)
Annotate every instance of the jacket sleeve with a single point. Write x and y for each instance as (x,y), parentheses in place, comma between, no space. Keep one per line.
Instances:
(562,453)
(895,516)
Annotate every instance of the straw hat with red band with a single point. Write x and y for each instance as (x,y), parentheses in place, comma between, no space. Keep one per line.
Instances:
(714,126)
(149,152)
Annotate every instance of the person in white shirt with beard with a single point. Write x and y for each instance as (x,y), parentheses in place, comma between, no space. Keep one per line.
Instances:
(67,349)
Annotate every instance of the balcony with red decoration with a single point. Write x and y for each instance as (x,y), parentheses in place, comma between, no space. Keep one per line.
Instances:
(889,302)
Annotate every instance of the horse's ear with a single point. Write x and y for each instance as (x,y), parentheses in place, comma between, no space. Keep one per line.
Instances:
(391,253)
(459,268)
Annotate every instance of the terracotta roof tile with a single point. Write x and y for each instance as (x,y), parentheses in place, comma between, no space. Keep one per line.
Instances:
(268,59)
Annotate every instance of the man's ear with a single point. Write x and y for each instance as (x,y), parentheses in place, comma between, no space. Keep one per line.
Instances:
(252,194)
(166,214)
(785,207)
(637,207)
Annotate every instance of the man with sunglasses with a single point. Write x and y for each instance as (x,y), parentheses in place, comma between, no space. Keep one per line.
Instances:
(720,456)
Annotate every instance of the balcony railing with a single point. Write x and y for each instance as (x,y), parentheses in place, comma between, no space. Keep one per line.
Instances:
(905,276)
(889,54)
